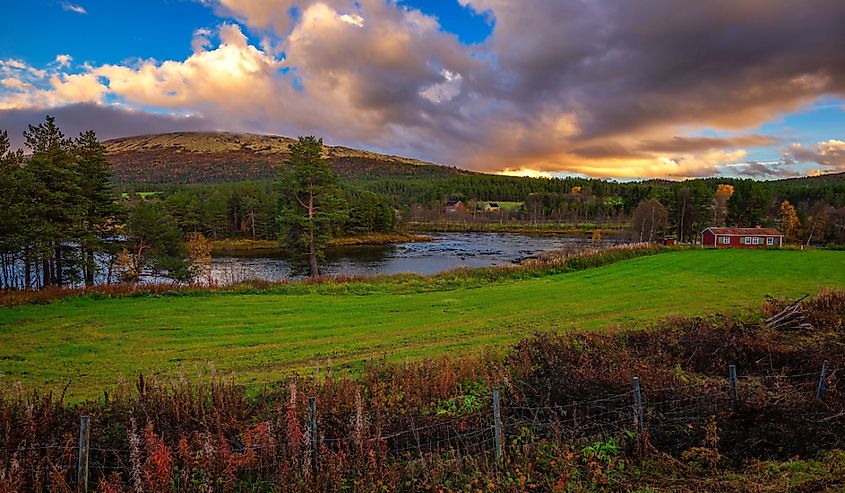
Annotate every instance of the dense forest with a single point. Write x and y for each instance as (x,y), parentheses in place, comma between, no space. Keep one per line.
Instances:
(808,209)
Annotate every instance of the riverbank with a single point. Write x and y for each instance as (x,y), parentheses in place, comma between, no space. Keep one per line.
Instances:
(541,229)
(261,332)
(236,245)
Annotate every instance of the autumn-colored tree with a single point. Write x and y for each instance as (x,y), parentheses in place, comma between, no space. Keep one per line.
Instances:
(720,203)
(790,224)
(199,251)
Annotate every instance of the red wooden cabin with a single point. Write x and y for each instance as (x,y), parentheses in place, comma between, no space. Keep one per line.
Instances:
(742,238)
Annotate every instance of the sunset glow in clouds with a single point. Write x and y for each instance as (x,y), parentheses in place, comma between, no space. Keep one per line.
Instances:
(631,89)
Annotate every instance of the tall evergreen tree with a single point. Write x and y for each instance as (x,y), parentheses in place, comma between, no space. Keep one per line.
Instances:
(57,201)
(748,206)
(311,202)
(101,214)
(13,227)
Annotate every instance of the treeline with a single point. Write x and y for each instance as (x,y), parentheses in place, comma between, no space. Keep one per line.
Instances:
(58,209)
(250,209)
(682,209)
(652,208)
(63,223)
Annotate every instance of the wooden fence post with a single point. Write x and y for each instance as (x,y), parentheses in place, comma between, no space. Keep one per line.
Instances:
(734,389)
(84,443)
(312,431)
(497,424)
(822,382)
(638,403)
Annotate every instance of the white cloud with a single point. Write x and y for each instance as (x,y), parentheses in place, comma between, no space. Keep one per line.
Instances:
(70,7)
(445,90)
(16,84)
(63,61)
(235,75)
(355,20)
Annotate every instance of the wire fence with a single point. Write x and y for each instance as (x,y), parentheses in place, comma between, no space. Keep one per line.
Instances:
(492,428)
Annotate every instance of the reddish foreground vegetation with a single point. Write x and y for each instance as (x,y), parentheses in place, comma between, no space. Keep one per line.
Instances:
(569,418)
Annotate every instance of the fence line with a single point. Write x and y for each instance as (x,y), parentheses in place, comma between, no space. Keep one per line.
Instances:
(491,428)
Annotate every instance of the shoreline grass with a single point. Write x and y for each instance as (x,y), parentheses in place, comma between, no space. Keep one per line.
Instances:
(539,229)
(238,245)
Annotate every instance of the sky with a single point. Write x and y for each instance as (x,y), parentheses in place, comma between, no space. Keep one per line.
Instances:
(616,89)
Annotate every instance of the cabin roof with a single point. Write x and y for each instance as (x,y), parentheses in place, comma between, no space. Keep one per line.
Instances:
(745,231)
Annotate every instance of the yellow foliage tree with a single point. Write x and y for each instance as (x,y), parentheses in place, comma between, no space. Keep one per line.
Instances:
(199,250)
(723,193)
(788,220)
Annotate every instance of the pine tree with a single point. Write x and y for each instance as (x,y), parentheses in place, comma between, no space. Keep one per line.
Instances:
(57,201)
(13,229)
(748,205)
(311,202)
(100,212)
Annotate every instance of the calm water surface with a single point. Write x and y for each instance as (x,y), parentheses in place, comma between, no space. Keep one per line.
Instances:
(447,251)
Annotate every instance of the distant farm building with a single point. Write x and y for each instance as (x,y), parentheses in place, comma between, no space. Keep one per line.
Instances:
(492,207)
(453,206)
(742,238)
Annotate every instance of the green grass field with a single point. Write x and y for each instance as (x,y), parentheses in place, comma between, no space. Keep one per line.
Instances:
(262,337)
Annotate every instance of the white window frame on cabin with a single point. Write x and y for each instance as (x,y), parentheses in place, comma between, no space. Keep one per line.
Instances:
(725,240)
(746,240)
(755,240)
(770,241)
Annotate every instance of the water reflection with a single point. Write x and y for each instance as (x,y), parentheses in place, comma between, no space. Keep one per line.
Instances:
(447,251)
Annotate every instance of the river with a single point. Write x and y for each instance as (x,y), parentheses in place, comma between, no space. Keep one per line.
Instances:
(446,251)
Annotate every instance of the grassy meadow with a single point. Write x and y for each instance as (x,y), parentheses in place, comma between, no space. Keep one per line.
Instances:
(87,343)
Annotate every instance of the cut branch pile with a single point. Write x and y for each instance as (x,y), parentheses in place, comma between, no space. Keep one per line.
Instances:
(791,318)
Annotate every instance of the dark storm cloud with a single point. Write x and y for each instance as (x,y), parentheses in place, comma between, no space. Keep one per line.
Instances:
(107,121)
(631,64)
(658,66)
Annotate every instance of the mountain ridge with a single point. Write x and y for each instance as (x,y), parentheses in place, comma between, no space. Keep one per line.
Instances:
(208,157)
